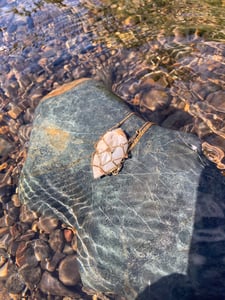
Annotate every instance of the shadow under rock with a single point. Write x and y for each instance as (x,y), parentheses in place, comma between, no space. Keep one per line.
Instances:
(205,279)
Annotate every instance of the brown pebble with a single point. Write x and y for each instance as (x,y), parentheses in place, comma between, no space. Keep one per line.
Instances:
(5,241)
(47,224)
(15,296)
(5,146)
(26,215)
(30,275)
(12,213)
(4,129)
(24,133)
(51,285)
(29,115)
(25,255)
(42,250)
(68,250)
(74,243)
(3,257)
(16,230)
(3,166)
(28,235)
(13,247)
(15,283)
(3,221)
(4,230)
(4,270)
(50,265)
(68,235)
(14,111)
(69,271)
(13,128)
(56,240)
(16,201)
(5,193)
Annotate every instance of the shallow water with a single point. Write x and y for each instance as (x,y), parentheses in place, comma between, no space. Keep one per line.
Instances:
(161,57)
(45,43)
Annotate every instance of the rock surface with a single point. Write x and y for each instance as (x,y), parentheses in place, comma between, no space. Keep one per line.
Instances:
(133,229)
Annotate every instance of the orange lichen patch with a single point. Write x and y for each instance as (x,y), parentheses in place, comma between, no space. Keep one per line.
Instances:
(58,138)
(64,88)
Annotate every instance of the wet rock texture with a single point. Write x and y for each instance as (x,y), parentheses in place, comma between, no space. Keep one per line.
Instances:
(133,230)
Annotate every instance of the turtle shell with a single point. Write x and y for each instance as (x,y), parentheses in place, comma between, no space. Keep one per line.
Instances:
(110,151)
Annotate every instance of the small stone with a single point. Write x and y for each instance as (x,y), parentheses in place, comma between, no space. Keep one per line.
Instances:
(16,201)
(5,241)
(4,270)
(4,130)
(12,213)
(16,230)
(56,240)
(68,250)
(13,247)
(4,230)
(14,111)
(15,283)
(42,250)
(51,285)
(69,271)
(26,215)
(74,243)
(68,235)
(27,235)
(28,115)
(50,265)
(5,193)
(3,221)
(24,133)
(3,166)
(47,224)
(15,296)
(5,146)
(25,255)
(30,275)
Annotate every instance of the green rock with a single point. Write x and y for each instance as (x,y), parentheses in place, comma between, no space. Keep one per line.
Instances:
(135,228)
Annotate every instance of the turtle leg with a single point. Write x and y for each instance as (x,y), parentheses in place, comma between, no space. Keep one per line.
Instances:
(122,121)
(139,133)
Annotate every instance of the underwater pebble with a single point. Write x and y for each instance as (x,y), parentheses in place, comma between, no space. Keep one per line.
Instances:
(27,215)
(51,264)
(68,271)
(4,270)
(51,285)
(15,283)
(31,275)
(42,250)
(47,224)
(56,240)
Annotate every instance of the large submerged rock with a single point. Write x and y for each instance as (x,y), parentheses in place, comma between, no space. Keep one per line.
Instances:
(134,229)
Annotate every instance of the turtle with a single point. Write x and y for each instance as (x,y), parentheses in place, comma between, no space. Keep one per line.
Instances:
(113,148)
